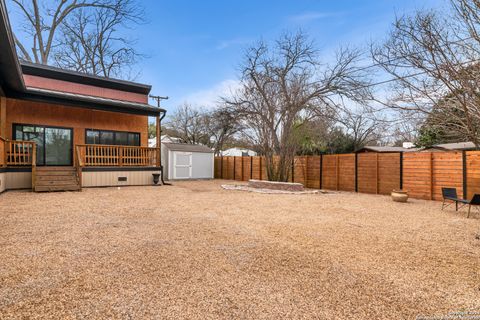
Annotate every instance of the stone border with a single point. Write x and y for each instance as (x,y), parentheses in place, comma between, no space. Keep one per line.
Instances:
(274,185)
(240,187)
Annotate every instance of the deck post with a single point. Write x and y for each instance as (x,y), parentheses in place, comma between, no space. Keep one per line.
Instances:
(34,165)
(159,141)
(464,171)
(3,117)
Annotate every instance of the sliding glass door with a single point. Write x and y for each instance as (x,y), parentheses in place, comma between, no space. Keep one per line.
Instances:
(54,145)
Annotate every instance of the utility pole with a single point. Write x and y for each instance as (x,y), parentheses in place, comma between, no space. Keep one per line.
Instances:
(159,131)
(158,119)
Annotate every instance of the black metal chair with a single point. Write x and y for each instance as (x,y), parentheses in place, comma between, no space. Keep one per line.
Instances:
(474,202)
(450,194)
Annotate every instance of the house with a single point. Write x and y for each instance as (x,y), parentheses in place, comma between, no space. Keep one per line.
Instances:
(406,147)
(456,146)
(164,139)
(64,130)
(238,152)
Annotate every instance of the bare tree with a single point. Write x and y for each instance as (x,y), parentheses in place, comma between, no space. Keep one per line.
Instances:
(284,82)
(362,124)
(221,124)
(80,34)
(435,61)
(189,123)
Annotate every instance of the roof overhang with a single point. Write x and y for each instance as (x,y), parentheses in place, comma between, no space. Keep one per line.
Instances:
(10,73)
(12,83)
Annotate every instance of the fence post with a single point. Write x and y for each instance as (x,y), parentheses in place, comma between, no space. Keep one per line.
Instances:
(376,173)
(293,169)
(356,172)
(234,166)
(260,167)
(401,170)
(321,171)
(464,171)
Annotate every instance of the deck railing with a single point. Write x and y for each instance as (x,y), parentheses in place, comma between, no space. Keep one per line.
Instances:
(92,155)
(19,153)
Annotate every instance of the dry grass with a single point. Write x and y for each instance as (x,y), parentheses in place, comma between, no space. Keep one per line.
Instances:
(196,251)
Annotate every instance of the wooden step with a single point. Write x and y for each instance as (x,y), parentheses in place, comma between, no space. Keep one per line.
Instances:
(56,173)
(56,183)
(49,179)
(56,177)
(57,188)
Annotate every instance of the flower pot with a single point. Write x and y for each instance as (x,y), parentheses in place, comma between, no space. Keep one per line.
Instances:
(399,195)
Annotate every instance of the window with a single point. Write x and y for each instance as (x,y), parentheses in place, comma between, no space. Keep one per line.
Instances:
(54,145)
(119,138)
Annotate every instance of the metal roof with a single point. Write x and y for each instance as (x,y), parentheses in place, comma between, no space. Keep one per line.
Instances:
(186,147)
(51,72)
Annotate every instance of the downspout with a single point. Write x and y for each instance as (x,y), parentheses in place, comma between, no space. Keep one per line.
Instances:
(160,117)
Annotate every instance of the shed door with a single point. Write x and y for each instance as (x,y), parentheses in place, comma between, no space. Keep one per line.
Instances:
(182,165)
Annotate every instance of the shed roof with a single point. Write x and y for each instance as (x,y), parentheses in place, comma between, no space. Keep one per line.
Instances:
(186,147)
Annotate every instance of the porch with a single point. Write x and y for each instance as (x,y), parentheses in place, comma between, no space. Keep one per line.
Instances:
(18,156)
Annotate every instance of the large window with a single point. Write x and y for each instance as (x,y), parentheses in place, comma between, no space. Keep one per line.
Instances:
(119,138)
(54,145)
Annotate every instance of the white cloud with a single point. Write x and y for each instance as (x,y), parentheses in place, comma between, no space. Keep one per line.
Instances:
(210,97)
(232,42)
(307,17)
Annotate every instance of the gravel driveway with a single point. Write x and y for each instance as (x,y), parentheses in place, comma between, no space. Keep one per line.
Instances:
(195,251)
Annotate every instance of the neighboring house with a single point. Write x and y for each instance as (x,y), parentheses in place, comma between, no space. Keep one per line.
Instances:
(187,161)
(456,146)
(165,139)
(61,130)
(406,147)
(238,152)
(409,147)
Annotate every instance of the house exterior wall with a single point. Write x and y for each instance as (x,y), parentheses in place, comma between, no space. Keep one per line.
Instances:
(79,119)
(3,181)
(110,178)
(18,180)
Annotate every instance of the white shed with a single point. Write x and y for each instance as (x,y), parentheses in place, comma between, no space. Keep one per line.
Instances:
(187,161)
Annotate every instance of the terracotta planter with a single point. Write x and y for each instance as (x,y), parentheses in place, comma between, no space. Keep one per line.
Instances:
(399,195)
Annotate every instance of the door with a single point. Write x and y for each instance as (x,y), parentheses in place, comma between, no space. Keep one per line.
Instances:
(182,165)
(54,145)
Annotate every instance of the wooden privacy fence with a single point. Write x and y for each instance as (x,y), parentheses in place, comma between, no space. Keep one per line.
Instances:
(423,174)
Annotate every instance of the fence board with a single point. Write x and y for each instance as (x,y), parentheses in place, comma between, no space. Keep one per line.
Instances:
(346,172)
(473,173)
(329,172)
(423,173)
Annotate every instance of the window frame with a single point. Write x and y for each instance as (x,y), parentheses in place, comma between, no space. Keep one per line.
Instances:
(139,135)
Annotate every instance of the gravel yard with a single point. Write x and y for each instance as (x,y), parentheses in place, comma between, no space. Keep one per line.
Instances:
(196,251)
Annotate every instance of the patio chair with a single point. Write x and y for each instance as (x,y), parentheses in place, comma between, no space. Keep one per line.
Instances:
(450,194)
(474,202)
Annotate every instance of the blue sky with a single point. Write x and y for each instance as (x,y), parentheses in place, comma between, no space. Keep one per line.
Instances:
(194,47)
